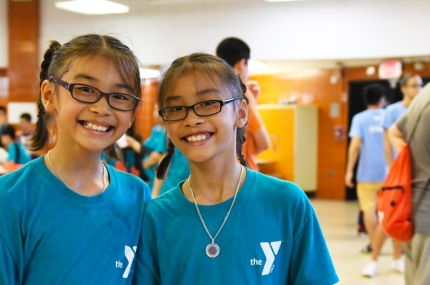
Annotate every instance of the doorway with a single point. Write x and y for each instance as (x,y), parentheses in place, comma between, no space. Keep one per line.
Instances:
(356,105)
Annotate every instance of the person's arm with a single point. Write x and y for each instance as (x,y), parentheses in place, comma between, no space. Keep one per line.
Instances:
(387,149)
(261,139)
(353,153)
(134,144)
(153,158)
(156,188)
(396,137)
(255,126)
(253,88)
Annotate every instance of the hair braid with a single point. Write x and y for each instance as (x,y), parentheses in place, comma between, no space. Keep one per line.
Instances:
(40,137)
(165,162)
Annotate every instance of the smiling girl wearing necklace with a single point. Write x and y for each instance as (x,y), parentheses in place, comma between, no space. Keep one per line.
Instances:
(66,217)
(225,224)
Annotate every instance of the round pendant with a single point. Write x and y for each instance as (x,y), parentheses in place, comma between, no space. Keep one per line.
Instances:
(212,250)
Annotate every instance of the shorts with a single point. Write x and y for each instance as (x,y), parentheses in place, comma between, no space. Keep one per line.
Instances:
(367,193)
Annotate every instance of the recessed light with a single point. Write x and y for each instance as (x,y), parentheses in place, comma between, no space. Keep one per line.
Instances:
(92,7)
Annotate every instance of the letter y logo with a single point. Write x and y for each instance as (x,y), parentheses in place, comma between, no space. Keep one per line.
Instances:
(270,250)
(129,254)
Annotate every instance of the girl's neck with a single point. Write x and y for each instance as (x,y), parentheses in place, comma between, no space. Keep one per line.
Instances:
(406,101)
(213,185)
(81,171)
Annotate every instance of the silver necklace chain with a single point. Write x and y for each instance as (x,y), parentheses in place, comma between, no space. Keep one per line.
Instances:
(226,216)
(62,180)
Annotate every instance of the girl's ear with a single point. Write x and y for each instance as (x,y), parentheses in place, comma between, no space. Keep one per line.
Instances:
(47,91)
(242,114)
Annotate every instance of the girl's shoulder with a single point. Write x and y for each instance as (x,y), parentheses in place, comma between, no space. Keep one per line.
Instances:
(272,184)
(22,178)
(127,181)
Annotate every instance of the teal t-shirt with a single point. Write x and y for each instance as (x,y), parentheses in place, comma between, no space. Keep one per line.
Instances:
(23,156)
(178,171)
(52,235)
(272,236)
(155,142)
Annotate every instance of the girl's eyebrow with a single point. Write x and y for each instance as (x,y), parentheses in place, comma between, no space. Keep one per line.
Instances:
(203,92)
(93,79)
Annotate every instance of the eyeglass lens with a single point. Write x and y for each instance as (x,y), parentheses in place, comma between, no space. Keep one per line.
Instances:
(205,108)
(90,95)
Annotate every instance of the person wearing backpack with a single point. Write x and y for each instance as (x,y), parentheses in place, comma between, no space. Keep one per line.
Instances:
(410,85)
(366,145)
(412,127)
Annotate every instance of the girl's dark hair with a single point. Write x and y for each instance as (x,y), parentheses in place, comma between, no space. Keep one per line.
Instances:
(217,70)
(58,59)
(7,129)
(405,78)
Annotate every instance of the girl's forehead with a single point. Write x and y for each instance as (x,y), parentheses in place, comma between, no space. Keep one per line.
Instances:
(196,83)
(90,63)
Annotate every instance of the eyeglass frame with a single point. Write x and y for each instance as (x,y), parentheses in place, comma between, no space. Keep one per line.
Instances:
(69,87)
(222,104)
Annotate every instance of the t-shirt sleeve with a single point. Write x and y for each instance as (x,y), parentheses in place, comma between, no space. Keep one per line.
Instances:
(388,119)
(161,146)
(355,130)
(11,152)
(255,122)
(401,124)
(146,269)
(311,262)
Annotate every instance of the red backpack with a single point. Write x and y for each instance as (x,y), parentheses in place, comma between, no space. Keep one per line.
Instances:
(395,198)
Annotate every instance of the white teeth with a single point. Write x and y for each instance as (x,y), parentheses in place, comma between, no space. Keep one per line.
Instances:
(94,127)
(196,138)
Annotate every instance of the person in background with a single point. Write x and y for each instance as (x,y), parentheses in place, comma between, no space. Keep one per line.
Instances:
(417,250)
(226,224)
(66,217)
(26,129)
(153,149)
(366,146)
(237,53)
(17,153)
(178,171)
(410,85)
(3,115)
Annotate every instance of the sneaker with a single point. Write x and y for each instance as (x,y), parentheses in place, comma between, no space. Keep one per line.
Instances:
(370,269)
(398,265)
(367,249)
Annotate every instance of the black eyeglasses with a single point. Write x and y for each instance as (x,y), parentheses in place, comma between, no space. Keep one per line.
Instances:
(201,109)
(89,94)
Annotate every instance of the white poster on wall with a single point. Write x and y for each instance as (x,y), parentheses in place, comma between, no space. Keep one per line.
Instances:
(15,109)
(4,87)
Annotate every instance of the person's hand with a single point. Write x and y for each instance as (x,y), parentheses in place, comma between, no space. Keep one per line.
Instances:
(348,179)
(254,88)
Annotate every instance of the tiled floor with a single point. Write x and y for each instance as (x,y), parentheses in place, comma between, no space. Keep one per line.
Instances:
(339,223)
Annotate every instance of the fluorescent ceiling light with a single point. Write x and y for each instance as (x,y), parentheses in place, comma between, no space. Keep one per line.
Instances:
(256,65)
(149,73)
(92,7)
(282,0)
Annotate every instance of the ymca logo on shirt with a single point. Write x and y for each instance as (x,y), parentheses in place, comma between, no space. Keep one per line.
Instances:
(270,251)
(130,253)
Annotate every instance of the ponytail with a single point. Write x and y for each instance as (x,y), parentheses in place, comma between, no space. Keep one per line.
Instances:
(40,137)
(240,132)
(165,162)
